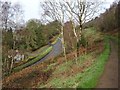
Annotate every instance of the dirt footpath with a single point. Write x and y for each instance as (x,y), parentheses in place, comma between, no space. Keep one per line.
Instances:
(109,79)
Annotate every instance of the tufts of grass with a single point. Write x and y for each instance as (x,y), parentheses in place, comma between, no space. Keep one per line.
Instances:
(83,58)
(63,67)
(49,67)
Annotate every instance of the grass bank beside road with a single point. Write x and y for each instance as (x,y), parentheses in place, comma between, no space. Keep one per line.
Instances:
(34,60)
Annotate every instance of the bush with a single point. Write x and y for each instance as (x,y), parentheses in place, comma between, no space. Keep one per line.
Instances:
(92,36)
(83,41)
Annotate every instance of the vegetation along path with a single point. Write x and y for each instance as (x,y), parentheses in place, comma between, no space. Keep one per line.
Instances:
(109,79)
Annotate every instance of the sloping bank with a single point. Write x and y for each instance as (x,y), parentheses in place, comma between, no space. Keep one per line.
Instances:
(36,59)
(91,76)
(88,78)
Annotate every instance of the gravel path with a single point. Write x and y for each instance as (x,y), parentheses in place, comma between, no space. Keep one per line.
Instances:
(109,79)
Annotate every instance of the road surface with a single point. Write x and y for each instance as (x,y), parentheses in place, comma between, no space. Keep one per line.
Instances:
(56,50)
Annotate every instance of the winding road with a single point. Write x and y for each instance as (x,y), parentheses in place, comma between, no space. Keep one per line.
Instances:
(56,50)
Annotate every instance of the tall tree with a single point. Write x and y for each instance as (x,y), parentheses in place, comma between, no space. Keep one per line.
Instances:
(54,10)
(80,12)
(31,35)
(6,14)
(11,14)
(7,50)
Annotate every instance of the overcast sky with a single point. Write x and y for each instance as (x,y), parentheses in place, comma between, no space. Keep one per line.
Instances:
(32,7)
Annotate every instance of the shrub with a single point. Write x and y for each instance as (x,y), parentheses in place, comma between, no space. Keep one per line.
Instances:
(92,36)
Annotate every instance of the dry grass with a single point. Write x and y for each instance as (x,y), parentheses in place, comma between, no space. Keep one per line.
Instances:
(44,73)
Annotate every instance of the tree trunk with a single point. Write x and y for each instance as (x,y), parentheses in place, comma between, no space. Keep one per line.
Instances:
(76,54)
(80,36)
(14,45)
(63,43)
(77,48)
(11,65)
(5,24)
(5,65)
(72,46)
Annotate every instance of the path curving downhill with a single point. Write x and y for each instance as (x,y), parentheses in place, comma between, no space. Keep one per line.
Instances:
(109,79)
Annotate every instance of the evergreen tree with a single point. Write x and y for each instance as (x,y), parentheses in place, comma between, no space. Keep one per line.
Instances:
(41,39)
(31,36)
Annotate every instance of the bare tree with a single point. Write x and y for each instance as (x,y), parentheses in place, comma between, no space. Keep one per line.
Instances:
(10,18)
(81,11)
(17,19)
(6,14)
(11,15)
(18,15)
(68,7)
(54,10)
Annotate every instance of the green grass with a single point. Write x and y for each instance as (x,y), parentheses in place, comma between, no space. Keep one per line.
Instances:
(93,73)
(49,67)
(84,58)
(35,53)
(63,67)
(41,55)
(70,81)
(56,39)
(87,79)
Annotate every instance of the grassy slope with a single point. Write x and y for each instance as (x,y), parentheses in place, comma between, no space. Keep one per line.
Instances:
(35,53)
(69,81)
(92,74)
(41,55)
(32,55)
(87,79)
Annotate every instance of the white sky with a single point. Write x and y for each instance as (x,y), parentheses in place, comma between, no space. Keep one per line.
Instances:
(32,7)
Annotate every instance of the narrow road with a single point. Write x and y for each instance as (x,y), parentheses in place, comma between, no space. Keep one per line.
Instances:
(109,79)
(57,50)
